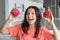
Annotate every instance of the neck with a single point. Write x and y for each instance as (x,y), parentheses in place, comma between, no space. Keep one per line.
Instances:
(32,25)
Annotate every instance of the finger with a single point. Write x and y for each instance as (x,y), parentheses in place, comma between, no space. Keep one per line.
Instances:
(45,18)
(12,10)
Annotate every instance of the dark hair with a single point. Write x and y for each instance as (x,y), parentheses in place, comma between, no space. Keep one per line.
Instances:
(25,24)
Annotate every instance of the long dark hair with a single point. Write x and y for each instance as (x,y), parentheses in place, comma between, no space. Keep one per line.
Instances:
(25,24)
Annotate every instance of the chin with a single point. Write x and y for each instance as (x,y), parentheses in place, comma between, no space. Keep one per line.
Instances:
(31,23)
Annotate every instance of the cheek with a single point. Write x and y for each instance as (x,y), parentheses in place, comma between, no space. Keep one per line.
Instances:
(35,18)
(27,17)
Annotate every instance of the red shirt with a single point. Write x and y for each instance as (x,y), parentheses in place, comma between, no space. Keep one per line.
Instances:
(16,31)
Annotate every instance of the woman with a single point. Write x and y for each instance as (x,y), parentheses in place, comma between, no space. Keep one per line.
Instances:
(31,28)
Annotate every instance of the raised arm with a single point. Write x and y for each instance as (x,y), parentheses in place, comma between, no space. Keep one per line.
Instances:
(4,27)
(55,31)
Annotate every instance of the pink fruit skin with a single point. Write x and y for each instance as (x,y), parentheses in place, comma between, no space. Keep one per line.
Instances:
(15,12)
(47,14)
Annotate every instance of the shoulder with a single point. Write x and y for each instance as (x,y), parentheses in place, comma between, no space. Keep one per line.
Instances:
(44,30)
(16,26)
(45,33)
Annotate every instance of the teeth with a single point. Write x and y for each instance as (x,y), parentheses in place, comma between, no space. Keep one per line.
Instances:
(30,19)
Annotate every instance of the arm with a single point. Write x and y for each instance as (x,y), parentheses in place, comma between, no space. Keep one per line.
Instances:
(55,31)
(51,21)
(4,27)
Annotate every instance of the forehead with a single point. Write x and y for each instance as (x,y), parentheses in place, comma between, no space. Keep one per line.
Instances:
(31,10)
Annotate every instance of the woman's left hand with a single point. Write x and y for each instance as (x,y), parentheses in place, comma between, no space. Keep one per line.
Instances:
(51,18)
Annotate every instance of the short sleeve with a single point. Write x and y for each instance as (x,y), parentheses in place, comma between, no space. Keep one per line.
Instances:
(47,34)
(14,30)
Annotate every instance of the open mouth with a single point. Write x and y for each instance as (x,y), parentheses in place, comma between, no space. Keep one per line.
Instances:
(31,19)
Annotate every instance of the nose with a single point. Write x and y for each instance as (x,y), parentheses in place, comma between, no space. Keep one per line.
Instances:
(30,15)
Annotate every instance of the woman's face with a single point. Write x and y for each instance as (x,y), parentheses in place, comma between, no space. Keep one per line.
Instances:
(31,16)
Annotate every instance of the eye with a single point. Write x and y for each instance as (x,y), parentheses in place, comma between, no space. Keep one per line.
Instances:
(28,13)
(33,13)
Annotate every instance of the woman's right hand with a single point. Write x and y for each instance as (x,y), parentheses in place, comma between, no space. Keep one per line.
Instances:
(14,13)
(11,17)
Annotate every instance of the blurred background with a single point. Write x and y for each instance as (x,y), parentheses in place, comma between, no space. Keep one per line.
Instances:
(7,5)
